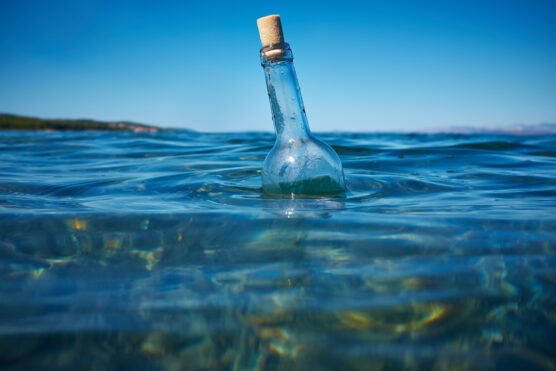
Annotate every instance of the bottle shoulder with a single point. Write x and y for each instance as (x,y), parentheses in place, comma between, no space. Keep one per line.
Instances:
(309,152)
(309,145)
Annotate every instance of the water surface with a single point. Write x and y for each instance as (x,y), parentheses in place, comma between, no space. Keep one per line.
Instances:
(159,250)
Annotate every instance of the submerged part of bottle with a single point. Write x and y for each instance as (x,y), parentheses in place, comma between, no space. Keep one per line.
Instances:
(298,163)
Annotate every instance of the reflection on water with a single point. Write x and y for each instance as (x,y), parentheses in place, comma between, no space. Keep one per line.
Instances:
(160,251)
(292,206)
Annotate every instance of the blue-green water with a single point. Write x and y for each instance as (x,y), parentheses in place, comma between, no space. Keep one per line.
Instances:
(159,250)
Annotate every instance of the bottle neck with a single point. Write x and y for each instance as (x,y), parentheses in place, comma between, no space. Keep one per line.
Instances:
(288,112)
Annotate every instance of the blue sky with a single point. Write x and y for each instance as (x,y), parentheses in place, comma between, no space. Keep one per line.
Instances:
(362,66)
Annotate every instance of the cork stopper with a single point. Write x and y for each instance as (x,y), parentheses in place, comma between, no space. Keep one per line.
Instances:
(270,30)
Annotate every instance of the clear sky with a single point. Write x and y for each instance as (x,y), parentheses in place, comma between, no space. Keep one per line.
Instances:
(362,66)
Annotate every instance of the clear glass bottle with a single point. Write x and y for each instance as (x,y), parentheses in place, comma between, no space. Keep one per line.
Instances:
(298,163)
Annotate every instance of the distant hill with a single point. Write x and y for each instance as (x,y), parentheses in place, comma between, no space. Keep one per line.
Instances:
(15,122)
(517,129)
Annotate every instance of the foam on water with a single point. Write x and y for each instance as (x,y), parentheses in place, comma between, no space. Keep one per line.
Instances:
(160,250)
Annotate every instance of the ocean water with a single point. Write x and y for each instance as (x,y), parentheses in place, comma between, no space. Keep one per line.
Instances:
(160,251)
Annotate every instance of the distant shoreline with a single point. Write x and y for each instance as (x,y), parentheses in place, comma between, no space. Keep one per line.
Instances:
(10,122)
(26,123)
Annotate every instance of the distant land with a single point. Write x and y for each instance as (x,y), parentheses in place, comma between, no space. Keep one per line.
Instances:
(517,129)
(16,122)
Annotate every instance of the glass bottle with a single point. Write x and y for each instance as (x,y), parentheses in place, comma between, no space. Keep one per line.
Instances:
(298,163)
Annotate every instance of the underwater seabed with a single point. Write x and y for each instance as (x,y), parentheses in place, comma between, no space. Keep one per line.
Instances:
(144,251)
(282,293)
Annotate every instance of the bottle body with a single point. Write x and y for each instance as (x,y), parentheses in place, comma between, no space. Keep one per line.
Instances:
(298,163)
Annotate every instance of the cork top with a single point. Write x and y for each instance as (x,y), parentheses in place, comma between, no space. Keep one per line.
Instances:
(270,30)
